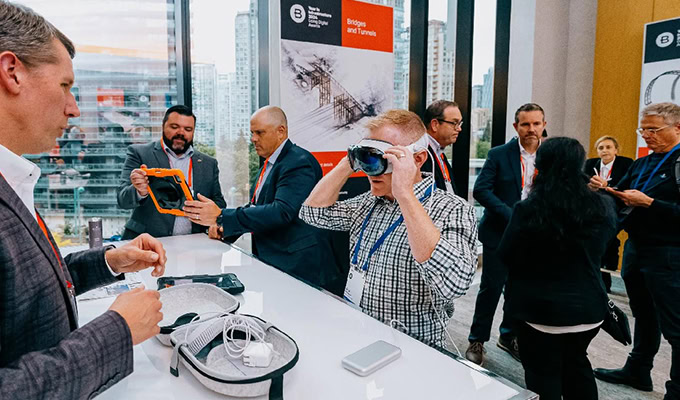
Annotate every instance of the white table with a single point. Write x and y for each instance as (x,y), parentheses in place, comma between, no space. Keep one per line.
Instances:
(325,328)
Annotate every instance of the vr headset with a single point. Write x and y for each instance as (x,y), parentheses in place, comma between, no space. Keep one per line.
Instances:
(367,155)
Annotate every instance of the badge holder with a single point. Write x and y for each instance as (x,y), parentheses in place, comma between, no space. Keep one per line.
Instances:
(168,190)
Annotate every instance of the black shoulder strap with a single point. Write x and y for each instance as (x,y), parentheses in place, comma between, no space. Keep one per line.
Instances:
(276,388)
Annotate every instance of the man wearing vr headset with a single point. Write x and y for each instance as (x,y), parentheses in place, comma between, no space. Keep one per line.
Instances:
(412,246)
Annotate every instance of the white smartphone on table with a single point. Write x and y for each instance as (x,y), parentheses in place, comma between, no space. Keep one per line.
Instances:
(371,358)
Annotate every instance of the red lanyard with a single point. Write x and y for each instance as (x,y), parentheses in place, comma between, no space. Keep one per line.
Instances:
(54,250)
(608,173)
(259,180)
(521,162)
(191,162)
(442,167)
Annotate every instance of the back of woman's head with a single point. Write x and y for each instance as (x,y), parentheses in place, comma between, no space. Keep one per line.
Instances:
(561,203)
(560,158)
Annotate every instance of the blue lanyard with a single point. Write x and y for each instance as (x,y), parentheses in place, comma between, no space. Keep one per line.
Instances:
(382,238)
(644,168)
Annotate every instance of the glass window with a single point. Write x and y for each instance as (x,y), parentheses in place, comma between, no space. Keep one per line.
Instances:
(125,78)
(224,86)
(483,56)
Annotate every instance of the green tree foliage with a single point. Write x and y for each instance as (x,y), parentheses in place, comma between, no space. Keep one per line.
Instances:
(483,147)
(205,149)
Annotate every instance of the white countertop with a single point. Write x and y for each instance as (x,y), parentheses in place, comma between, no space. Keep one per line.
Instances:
(325,328)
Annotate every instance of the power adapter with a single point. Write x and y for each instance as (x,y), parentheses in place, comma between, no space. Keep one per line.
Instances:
(258,354)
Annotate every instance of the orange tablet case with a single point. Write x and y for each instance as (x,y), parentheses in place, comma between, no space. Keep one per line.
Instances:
(179,180)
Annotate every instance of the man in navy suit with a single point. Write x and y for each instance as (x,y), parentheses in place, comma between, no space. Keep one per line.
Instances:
(505,179)
(444,122)
(286,178)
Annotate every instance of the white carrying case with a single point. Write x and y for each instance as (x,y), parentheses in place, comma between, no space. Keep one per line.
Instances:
(210,363)
(197,298)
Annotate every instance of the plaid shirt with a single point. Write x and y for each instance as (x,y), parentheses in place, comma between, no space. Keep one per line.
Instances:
(395,287)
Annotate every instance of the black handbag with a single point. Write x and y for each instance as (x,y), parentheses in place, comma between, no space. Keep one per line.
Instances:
(616,324)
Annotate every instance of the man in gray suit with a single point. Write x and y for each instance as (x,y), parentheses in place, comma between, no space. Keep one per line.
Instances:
(43,352)
(174,150)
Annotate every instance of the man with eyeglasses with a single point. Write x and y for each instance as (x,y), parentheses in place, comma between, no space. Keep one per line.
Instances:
(505,179)
(651,258)
(444,122)
(412,246)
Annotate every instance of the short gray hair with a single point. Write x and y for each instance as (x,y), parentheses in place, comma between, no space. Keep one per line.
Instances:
(29,36)
(669,111)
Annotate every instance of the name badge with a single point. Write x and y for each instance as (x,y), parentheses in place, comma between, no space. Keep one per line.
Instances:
(355,286)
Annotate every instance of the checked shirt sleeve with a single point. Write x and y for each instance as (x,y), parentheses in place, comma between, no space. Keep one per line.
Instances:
(337,217)
(451,267)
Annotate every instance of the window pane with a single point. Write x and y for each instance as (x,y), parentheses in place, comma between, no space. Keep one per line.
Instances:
(224,89)
(125,78)
(482,89)
(401,43)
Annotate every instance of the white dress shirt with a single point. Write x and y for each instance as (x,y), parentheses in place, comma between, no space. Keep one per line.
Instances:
(528,161)
(439,151)
(605,168)
(21,175)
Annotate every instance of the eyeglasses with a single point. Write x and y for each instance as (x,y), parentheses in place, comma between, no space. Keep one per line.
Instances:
(651,131)
(456,124)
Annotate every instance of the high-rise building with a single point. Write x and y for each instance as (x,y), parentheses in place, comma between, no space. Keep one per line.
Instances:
(439,63)
(223,107)
(487,90)
(476,96)
(244,92)
(122,100)
(203,82)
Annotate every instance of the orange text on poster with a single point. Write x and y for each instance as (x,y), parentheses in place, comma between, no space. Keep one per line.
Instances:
(367,26)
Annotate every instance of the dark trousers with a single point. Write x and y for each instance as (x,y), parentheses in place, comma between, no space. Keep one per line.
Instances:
(494,275)
(610,261)
(557,366)
(652,278)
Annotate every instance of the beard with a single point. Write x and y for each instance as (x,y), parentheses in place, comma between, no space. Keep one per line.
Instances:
(178,151)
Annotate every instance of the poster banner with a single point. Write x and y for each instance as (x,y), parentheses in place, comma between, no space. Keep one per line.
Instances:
(336,72)
(660,68)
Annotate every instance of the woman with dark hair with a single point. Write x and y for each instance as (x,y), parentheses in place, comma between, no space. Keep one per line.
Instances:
(553,246)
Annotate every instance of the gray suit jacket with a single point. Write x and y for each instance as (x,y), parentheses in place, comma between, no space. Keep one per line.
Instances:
(43,353)
(145,217)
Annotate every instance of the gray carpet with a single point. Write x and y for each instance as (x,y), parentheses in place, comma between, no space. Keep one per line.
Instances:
(603,352)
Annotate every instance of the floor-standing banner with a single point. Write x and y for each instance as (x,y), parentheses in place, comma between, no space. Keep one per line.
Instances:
(336,72)
(660,67)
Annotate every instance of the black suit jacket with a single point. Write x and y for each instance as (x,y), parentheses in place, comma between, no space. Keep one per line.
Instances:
(280,237)
(43,353)
(438,175)
(555,283)
(619,169)
(145,218)
(498,188)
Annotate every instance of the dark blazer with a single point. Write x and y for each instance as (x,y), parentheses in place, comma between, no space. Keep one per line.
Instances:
(280,237)
(43,353)
(555,283)
(145,217)
(498,188)
(438,175)
(619,169)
